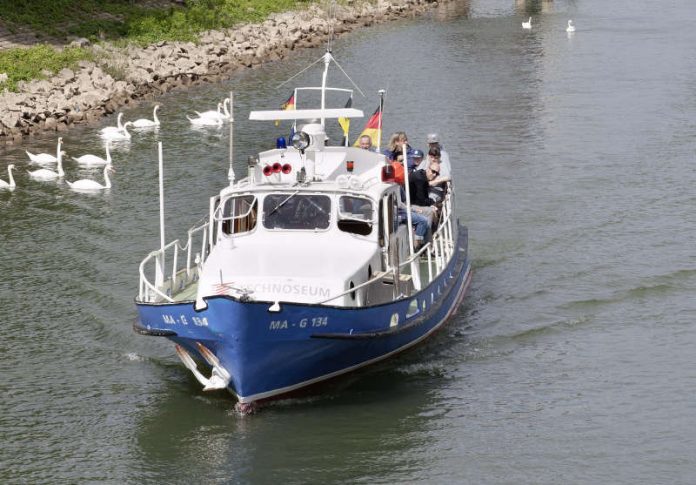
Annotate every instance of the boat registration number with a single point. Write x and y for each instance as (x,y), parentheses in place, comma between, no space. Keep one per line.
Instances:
(184,320)
(303,323)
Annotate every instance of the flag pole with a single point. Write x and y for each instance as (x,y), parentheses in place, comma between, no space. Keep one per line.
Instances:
(381,113)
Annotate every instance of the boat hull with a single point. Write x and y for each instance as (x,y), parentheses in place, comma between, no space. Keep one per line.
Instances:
(269,351)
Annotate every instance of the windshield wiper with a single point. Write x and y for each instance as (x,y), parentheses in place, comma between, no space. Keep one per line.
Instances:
(283,203)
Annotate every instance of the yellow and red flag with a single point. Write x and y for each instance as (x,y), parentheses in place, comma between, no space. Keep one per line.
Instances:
(287,105)
(373,127)
(345,123)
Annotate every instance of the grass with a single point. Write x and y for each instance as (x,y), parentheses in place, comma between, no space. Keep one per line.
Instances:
(122,21)
(27,64)
(131,21)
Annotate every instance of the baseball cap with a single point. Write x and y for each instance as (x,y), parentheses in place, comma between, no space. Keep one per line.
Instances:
(418,154)
(433,138)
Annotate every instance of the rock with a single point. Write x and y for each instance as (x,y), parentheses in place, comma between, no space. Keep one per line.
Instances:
(85,94)
(50,123)
(80,42)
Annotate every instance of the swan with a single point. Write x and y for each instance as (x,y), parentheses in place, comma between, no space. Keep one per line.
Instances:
(11,185)
(46,174)
(121,134)
(212,114)
(527,24)
(113,129)
(93,160)
(145,123)
(571,27)
(205,121)
(43,158)
(88,184)
(225,107)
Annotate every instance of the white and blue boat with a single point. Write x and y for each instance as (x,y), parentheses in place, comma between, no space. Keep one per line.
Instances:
(301,271)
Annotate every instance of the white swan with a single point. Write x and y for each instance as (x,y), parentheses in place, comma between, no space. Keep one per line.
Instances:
(44,158)
(46,174)
(113,129)
(122,134)
(93,160)
(145,123)
(571,27)
(225,107)
(527,24)
(212,114)
(88,184)
(204,121)
(11,185)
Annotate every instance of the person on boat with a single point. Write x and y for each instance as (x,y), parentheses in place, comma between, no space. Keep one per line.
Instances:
(438,185)
(419,190)
(420,224)
(365,142)
(433,140)
(394,149)
(418,159)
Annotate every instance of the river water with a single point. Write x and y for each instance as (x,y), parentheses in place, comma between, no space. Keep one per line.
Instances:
(571,360)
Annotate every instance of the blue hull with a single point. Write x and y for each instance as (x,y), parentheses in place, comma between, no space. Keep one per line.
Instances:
(272,353)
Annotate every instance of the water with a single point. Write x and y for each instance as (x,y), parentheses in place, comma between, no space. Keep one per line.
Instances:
(571,359)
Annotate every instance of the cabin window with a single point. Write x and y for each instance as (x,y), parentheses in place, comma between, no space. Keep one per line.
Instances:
(355,215)
(239,214)
(296,211)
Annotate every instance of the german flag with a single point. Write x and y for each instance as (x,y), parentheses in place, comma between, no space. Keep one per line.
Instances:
(373,127)
(288,105)
(345,123)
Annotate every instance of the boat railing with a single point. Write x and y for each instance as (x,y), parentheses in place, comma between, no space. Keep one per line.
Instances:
(438,253)
(166,284)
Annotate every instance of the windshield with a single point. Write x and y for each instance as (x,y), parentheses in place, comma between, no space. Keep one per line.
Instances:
(294,211)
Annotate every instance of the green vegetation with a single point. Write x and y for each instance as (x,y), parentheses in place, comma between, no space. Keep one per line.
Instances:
(122,21)
(27,64)
(136,21)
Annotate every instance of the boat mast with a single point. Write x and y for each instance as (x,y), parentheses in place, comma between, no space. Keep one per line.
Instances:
(159,262)
(327,61)
(230,171)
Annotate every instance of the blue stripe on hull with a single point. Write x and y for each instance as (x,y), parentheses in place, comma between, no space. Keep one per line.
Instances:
(270,353)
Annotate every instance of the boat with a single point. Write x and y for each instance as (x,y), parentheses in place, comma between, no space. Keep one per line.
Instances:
(301,272)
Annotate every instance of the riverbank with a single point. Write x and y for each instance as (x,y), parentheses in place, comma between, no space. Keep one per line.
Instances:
(120,76)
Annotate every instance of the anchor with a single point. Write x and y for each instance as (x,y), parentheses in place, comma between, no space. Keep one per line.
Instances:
(219,378)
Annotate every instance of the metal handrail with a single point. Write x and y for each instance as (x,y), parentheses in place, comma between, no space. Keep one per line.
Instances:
(442,243)
(149,291)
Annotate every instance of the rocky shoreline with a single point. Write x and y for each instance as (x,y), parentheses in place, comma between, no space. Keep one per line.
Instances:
(125,75)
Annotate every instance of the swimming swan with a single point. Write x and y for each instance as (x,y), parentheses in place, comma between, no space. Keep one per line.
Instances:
(145,123)
(43,158)
(205,121)
(122,134)
(571,27)
(46,174)
(527,24)
(212,114)
(11,185)
(88,184)
(113,129)
(93,160)
(225,105)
